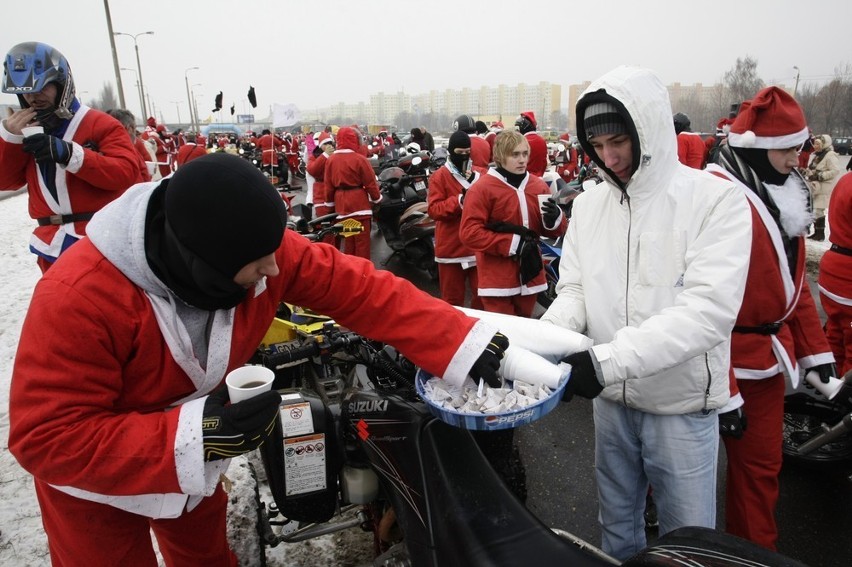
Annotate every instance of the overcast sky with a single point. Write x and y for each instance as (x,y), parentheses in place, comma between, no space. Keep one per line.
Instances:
(313,53)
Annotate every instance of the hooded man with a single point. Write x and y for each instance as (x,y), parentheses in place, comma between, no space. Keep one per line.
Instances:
(778,328)
(447,187)
(351,188)
(653,270)
(690,147)
(83,160)
(126,426)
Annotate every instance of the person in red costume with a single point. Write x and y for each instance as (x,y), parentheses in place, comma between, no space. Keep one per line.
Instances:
(526,125)
(480,150)
(501,222)
(82,161)
(129,122)
(778,329)
(188,152)
(269,146)
(447,187)
(351,188)
(835,275)
(316,167)
(691,150)
(566,161)
(126,427)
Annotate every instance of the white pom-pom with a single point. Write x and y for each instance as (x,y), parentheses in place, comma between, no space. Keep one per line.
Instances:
(747,139)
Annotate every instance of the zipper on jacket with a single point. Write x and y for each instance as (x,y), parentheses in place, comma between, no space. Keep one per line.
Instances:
(705,410)
(625,196)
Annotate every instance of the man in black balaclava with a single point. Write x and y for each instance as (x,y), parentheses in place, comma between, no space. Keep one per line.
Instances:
(175,287)
(459,153)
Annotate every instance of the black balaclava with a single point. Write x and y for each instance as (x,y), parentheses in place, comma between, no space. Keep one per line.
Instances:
(758,160)
(461,140)
(214,216)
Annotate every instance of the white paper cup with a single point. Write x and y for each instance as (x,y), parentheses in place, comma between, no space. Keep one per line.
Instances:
(152,167)
(541,200)
(248,381)
(828,390)
(31,130)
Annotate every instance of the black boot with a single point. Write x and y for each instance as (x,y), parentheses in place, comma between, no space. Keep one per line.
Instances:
(819,230)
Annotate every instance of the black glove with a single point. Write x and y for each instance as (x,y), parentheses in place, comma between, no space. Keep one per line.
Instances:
(550,213)
(488,363)
(825,371)
(46,148)
(583,380)
(529,257)
(733,423)
(238,428)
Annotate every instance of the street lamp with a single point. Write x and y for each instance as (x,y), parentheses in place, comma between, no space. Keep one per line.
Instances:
(192,121)
(177,107)
(139,91)
(139,67)
(195,104)
(796,87)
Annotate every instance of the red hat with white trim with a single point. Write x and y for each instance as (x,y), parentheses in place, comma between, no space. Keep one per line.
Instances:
(324,138)
(772,120)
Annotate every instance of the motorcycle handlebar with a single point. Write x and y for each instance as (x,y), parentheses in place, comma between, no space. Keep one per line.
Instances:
(332,341)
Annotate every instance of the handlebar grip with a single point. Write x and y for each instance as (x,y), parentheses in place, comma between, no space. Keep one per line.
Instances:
(291,354)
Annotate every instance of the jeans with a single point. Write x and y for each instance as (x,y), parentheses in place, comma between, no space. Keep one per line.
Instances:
(676,454)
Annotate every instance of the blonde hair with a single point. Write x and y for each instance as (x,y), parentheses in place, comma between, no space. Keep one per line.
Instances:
(505,143)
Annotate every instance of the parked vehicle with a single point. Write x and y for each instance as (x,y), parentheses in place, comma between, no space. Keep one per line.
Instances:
(842,145)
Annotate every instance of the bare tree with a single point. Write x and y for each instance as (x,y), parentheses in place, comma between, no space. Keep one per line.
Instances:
(742,81)
(807,97)
(107,99)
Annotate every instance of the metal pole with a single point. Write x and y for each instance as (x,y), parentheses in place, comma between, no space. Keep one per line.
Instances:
(192,121)
(138,91)
(796,87)
(114,55)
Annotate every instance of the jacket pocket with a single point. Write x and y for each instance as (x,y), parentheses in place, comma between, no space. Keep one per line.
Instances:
(660,262)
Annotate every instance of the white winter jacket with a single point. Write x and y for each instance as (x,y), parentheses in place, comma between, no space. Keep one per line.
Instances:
(655,273)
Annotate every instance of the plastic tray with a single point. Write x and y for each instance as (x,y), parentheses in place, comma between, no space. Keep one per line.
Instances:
(490,421)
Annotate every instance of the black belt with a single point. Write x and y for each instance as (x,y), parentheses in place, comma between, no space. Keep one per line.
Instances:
(64,219)
(765,329)
(841,250)
(348,187)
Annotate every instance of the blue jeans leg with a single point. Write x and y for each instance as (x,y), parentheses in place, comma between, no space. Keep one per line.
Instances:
(677,454)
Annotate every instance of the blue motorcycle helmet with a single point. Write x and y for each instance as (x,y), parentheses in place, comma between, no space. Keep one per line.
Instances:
(29,67)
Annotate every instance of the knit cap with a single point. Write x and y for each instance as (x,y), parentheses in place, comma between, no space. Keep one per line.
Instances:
(602,118)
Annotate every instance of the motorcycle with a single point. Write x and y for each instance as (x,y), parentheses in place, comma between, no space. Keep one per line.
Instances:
(818,431)
(402,216)
(355,436)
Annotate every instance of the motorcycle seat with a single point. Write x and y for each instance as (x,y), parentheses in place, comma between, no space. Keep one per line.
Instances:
(476,517)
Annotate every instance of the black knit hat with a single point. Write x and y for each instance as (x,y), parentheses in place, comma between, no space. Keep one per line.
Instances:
(603,118)
(222,209)
(458,139)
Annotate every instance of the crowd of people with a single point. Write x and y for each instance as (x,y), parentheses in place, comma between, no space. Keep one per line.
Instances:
(684,264)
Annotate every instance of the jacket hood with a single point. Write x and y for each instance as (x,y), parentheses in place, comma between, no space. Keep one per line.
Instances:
(118,232)
(643,101)
(347,139)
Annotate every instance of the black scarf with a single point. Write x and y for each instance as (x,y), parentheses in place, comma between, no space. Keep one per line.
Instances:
(513,179)
(731,160)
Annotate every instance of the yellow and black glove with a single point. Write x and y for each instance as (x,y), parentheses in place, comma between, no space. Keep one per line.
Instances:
(231,430)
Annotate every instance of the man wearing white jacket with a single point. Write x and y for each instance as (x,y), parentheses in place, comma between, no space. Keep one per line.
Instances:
(653,270)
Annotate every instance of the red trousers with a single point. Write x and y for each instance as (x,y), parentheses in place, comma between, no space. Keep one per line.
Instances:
(452,278)
(519,305)
(80,532)
(359,245)
(838,331)
(754,463)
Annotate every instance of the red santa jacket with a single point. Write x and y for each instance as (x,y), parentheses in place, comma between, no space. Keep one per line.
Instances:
(773,295)
(115,422)
(103,165)
(492,199)
(538,154)
(269,146)
(480,151)
(835,268)
(446,187)
(350,181)
(316,169)
(691,150)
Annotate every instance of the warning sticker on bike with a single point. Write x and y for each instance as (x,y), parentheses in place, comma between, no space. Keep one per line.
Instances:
(296,418)
(304,464)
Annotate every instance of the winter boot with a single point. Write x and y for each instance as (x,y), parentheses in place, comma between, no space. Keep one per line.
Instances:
(819,230)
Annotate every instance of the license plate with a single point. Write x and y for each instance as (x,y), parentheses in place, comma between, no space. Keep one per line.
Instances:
(419,185)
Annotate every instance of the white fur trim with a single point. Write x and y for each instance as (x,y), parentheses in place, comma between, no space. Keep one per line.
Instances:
(467,354)
(735,402)
(750,140)
(194,475)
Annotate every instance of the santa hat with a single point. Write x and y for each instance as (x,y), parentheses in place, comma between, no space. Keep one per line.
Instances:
(530,115)
(324,138)
(772,120)
(151,121)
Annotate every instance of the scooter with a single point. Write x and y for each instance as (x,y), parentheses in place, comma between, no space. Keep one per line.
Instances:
(402,215)
(354,434)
